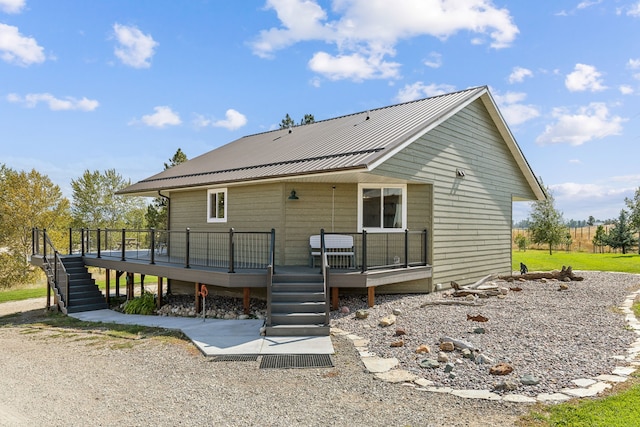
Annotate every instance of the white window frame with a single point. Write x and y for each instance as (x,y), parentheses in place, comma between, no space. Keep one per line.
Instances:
(403,188)
(212,216)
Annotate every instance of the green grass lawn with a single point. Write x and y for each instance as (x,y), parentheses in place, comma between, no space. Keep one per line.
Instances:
(539,260)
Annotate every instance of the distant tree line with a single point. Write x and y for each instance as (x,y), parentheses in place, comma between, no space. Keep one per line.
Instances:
(546,226)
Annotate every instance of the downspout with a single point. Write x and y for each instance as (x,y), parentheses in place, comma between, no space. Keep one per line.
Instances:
(168,199)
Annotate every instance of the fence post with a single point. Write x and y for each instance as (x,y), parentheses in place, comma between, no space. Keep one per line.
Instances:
(44,243)
(82,241)
(153,249)
(186,249)
(364,250)
(272,251)
(70,241)
(33,241)
(406,248)
(98,243)
(231,251)
(122,244)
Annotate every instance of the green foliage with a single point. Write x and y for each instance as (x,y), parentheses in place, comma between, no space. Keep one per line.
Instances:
(537,260)
(547,226)
(521,241)
(600,238)
(27,200)
(617,410)
(621,234)
(288,122)
(144,304)
(96,204)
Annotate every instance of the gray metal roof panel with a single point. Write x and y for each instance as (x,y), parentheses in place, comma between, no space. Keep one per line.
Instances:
(346,142)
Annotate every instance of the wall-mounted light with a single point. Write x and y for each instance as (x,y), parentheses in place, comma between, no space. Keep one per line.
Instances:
(293,195)
(460,173)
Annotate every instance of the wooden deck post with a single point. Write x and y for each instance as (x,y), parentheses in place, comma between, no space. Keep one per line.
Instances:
(141,284)
(118,274)
(371,296)
(159,292)
(198,305)
(107,285)
(130,295)
(246,294)
(335,300)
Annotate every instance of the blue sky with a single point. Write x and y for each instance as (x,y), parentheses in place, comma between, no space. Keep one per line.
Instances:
(122,84)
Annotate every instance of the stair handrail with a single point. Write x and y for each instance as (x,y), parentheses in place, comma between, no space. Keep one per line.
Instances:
(57,276)
(269,290)
(325,277)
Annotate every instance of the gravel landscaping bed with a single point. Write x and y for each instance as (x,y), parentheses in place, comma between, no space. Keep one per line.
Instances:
(548,335)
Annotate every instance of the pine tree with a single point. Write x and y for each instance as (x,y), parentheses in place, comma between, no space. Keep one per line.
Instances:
(621,234)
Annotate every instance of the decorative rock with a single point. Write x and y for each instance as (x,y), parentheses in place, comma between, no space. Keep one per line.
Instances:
(448,367)
(447,346)
(529,379)
(506,386)
(552,397)
(467,354)
(423,382)
(442,357)
(563,286)
(423,348)
(482,359)
(452,375)
(503,290)
(397,312)
(387,321)
(476,394)
(518,398)
(429,363)
(459,343)
(379,364)
(400,332)
(396,376)
(479,331)
(344,310)
(584,382)
(501,369)
(611,378)
(470,298)
(397,344)
(362,314)
(623,371)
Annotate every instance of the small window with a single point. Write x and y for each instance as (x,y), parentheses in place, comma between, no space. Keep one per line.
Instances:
(382,208)
(217,205)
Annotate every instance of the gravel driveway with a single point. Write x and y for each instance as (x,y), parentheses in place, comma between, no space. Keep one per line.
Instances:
(71,377)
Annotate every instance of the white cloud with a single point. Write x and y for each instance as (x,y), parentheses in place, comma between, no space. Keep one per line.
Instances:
(584,77)
(234,120)
(519,74)
(162,117)
(18,49)
(634,10)
(56,104)
(513,110)
(586,4)
(419,90)
(626,89)
(355,67)
(634,64)
(590,122)
(135,48)
(365,31)
(11,6)
(434,60)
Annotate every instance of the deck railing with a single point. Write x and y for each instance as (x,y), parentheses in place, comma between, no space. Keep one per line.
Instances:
(233,250)
(375,251)
(190,248)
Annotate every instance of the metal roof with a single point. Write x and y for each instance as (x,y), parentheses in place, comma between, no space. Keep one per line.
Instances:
(353,142)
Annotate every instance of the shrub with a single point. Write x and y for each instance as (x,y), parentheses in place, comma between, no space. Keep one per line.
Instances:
(144,304)
(521,241)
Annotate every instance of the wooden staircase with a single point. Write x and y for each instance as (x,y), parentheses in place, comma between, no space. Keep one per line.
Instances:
(83,294)
(298,306)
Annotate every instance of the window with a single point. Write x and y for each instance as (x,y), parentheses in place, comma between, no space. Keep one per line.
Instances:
(217,205)
(382,207)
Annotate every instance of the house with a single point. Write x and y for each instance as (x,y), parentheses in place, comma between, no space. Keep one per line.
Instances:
(424,189)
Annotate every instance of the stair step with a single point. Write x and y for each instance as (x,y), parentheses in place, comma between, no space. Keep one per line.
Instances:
(297,307)
(297,287)
(300,297)
(297,318)
(297,330)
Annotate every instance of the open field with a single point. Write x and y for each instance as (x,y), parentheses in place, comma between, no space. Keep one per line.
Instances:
(581,239)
